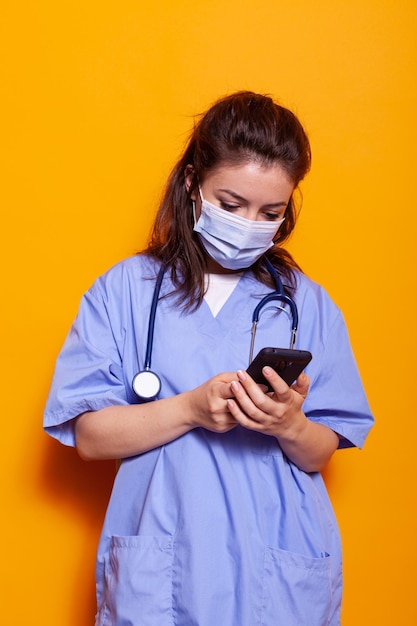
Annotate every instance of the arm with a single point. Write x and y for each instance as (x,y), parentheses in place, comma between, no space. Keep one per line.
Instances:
(121,431)
(307,444)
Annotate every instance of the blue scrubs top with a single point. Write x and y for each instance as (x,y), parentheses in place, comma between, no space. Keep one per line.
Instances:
(210,529)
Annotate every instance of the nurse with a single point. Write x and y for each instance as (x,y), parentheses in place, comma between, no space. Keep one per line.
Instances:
(219,514)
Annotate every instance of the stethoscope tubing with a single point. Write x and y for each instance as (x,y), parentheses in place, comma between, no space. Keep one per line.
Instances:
(277,295)
(152,316)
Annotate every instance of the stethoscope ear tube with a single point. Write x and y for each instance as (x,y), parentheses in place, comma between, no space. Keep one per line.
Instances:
(280,296)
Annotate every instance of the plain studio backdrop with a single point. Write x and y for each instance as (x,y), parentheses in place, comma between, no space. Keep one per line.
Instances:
(97,101)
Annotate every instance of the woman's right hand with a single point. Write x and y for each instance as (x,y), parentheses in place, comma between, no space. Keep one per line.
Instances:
(207,404)
(120,431)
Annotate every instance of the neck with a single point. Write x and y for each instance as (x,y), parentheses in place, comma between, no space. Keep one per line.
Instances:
(214,268)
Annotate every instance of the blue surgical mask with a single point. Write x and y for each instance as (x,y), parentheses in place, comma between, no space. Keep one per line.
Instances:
(232,241)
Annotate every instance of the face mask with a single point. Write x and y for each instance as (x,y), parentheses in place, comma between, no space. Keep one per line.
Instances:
(234,242)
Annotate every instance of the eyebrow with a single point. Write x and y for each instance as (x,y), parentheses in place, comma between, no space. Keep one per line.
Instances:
(241,198)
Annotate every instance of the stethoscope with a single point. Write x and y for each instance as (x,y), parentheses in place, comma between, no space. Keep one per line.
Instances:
(147,384)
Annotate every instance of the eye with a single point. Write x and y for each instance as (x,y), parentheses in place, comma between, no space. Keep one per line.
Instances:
(272,217)
(228,207)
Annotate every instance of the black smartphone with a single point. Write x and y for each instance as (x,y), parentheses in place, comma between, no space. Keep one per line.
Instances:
(287,363)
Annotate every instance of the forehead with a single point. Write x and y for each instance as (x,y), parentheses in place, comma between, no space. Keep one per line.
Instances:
(250,176)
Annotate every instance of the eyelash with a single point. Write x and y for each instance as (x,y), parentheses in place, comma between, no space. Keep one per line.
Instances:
(272,217)
(229,207)
(269,217)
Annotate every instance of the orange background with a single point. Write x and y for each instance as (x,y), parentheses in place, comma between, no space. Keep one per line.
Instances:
(97,100)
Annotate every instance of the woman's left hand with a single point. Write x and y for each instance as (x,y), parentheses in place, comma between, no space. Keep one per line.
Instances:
(279,414)
(274,413)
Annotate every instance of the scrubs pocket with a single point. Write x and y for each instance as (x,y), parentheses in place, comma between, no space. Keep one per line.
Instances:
(296,589)
(139,582)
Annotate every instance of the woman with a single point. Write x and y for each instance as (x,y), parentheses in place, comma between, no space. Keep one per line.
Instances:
(219,514)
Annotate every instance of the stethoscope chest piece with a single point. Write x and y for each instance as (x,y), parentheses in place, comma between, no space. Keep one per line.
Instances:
(146,385)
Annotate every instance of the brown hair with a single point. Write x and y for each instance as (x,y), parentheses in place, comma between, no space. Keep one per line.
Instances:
(242,127)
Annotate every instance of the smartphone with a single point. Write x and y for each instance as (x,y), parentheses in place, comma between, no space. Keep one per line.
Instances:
(287,363)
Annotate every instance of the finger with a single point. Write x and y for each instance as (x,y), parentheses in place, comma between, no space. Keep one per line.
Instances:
(302,385)
(249,384)
(250,417)
(249,403)
(279,385)
(222,386)
(240,416)
(225,377)
(256,391)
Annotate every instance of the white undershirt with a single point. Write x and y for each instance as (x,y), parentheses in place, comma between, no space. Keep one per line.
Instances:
(220,286)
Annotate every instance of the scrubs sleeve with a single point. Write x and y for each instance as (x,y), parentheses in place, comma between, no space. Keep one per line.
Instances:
(88,373)
(336,397)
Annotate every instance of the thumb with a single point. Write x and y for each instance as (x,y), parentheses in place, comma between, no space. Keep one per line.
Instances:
(302,385)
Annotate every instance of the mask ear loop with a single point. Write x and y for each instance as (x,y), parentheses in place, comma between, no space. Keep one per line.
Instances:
(193,204)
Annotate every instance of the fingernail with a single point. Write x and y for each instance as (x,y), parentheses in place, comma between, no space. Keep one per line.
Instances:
(241,375)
